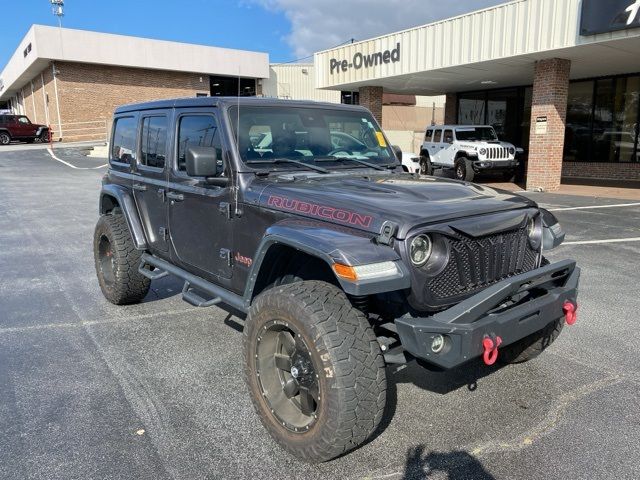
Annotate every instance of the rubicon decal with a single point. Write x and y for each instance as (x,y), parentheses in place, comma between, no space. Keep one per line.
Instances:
(320,211)
(361,60)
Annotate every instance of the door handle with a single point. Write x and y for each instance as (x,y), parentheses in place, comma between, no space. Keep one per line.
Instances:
(176,197)
(140,187)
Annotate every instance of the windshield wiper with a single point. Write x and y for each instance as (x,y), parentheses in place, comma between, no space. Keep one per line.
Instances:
(351,159)
(287,160)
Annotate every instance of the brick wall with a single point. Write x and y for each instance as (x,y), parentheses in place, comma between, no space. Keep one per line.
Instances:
(371,98)
(602,170)
(550,89)
(89,94)
(451,109)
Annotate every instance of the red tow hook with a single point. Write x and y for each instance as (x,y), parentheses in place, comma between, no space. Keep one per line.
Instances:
(570,310)
(490,345)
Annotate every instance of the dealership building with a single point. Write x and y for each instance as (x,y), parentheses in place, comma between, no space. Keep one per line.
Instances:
(561,78)
(74,79)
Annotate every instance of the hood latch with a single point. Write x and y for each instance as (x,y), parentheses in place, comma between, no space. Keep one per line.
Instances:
(387,232)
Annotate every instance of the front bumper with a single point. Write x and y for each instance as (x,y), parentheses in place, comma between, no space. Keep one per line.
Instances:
(494,164)
(512,309)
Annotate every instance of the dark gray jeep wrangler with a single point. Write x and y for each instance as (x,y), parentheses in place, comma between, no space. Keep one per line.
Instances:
(299,215)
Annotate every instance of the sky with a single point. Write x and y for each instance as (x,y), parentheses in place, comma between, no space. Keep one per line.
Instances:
(286,29)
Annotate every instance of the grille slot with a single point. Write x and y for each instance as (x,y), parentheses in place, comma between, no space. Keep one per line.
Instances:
(475,263)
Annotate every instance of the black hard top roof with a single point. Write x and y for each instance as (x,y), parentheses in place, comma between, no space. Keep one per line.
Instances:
(227,102)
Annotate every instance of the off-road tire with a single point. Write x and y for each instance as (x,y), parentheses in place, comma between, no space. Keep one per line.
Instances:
(530,347)
(44,137)
(5,138)
(346,357)
(120,282)
(463,169)
(426,167)
(509,176)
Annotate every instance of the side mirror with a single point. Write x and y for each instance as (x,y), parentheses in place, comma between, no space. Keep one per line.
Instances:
(398,151)
(202,162)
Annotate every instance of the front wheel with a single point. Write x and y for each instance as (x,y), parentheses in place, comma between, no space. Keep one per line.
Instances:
(530,347)
(314,370)
(464,170)
(426,167)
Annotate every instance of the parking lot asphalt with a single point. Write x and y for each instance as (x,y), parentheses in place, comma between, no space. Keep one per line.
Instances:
(155,390)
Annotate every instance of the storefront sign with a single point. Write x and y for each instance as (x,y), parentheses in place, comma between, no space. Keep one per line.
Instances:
(541,125)
(600,16)
(361,60)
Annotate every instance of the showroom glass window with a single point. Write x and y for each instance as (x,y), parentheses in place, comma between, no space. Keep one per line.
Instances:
(153,145)
(123,147)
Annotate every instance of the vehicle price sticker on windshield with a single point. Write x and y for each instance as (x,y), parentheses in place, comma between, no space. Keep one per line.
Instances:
(381,140)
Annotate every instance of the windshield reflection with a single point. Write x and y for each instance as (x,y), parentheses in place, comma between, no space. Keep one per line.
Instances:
(333,138)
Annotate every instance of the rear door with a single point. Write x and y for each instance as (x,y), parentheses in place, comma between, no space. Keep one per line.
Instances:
(435,146)
(150,180)
(199,213)
(448,149)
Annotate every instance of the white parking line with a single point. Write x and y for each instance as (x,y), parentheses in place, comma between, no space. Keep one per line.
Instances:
(594,206)
(70,165)
(612,240)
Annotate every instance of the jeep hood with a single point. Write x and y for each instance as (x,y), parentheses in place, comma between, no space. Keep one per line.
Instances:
(365,203)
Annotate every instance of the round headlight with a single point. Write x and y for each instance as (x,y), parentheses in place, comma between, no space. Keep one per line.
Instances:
(483,151)
(420,250)
(512,150)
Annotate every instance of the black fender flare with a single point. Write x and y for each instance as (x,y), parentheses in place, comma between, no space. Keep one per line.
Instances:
(331,244)
(116,194)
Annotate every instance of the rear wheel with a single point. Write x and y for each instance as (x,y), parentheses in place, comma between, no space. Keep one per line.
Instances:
(314,370)
(426,168)
(5,138)
(464,169)
(117,262)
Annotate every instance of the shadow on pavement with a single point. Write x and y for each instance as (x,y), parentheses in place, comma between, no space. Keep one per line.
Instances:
(456,465)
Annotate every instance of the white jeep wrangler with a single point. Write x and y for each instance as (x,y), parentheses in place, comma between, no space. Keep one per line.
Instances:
(468,149)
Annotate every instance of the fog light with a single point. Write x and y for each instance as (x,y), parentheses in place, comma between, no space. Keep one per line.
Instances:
(437,344)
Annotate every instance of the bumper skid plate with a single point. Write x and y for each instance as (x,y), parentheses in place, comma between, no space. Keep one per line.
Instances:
(511,309)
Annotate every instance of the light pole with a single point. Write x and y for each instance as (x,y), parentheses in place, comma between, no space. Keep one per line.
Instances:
(57,8)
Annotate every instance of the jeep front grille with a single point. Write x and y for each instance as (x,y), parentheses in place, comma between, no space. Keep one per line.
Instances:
(475,263)
(497,153)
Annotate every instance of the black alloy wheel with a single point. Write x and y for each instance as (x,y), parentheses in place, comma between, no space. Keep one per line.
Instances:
(287,376)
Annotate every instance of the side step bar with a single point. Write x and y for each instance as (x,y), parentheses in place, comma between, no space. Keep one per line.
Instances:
(191,282)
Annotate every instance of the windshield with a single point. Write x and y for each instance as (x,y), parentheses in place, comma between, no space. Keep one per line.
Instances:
(329,137)
(477,134)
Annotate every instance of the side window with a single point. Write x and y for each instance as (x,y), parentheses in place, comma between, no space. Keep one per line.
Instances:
(24,120)
(197,131)
(448,136)
(123,145)
(437,137)
(153,144)
(428,135)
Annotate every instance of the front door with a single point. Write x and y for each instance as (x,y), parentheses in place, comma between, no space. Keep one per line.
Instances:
(199,213)
(150,181)
(25,128)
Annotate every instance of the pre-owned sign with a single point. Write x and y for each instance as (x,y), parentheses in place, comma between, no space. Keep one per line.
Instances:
(362,60)
(599,16)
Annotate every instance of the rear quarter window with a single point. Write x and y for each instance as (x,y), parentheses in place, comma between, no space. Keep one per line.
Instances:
(428,135)
(123,143)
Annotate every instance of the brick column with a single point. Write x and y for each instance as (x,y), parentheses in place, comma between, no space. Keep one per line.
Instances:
(371,98)
(451,109)
(550,90)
